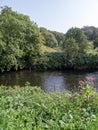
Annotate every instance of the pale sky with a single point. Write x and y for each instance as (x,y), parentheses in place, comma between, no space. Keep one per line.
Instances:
(57,15)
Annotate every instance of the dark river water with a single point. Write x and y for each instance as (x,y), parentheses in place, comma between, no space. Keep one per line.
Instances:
(49,81)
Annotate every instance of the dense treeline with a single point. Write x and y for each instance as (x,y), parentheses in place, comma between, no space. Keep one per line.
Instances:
(21,43)
(92,34)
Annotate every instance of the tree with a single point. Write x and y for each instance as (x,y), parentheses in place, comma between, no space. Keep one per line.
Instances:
(59,37)
(49,38)
(75,43)
(91,32)
(96,42)
(79,37)
(17,34)
(71,51)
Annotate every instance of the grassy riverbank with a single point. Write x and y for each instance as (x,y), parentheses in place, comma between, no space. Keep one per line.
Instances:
(29,108)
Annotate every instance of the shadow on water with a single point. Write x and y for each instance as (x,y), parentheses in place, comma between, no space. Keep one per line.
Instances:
(49,81)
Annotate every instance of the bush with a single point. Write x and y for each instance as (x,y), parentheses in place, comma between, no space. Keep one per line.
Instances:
(52,61)
(56,60)
(84,61)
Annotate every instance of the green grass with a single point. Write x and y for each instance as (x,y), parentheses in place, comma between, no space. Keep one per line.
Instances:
(29,108)
(49,49)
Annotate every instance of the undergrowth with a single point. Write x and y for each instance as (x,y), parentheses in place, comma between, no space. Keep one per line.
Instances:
(29,108)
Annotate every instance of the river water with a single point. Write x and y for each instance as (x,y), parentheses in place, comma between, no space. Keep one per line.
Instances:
(49,81)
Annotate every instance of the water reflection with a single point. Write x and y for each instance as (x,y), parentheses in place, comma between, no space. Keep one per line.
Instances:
(49,81)
(54,82)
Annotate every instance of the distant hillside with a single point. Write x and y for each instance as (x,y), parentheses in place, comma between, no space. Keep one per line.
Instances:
(52,38)
(47,49)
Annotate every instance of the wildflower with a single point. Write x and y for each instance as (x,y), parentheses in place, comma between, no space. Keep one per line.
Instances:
(81,93)
(81,83)
(89,78)
(92,84)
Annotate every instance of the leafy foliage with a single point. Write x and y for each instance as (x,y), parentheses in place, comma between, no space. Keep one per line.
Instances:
(25,46)
(30,108)
(49,38)
(91,32)
(79,53)
(59,37)
(71,51)
(50,61)
(56,60)
(20,40)
(96,42)
(79,37)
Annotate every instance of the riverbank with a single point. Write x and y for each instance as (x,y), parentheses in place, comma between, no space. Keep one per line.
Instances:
(30,108)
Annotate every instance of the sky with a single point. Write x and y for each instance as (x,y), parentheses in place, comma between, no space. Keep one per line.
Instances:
(57,15)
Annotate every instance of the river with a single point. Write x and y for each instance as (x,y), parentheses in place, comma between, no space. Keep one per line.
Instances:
(49,81)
